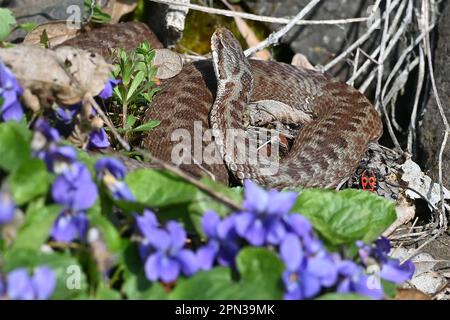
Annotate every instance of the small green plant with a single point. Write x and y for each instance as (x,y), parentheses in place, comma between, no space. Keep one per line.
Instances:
(137,87)
(8,24)
(95,12)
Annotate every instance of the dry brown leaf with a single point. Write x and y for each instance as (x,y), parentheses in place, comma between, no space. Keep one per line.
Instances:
(169,63)
(57,32)
(419,181)
(411,294)
(300,60)
(89,70)
(405,213)
(118,8)
(64,75)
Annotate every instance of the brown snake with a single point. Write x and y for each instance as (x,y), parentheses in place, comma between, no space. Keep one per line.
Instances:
(328,147)
(337,121)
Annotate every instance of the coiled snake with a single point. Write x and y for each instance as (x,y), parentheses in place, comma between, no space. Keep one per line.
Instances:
(337,121)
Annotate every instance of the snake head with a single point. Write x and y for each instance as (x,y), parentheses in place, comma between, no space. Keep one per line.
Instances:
(227,54)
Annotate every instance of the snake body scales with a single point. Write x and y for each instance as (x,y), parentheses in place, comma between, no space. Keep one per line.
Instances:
(326,150)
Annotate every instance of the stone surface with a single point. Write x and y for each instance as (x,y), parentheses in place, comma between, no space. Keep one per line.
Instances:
(167,22)
(40,12)
(432,129)
(319,43)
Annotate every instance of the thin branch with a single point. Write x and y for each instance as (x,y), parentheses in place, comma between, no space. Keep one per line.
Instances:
(276,36)
(260,18)
(374,26)
(425,7)
(418,250)
(108,122)
(400,81)
(177,171)
(381,58)
(413,119)
(406,52)
(394,35)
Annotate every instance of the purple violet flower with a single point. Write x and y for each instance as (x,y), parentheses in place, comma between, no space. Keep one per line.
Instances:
(59,158)
(111,171)
(145,224)
(112,166)
(261,221)
(390,268)
(2,287)
(222,241)
(7,208)
(45,147)
(305,275)
(98,139)
(354,280)
(74,188)
(397,273)
(10,90)
(107,91)
(66,114)
(20,286)
(166,257)
(44,128)
(70,226)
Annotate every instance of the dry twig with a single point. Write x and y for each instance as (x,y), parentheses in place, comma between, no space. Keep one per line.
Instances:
(259,18)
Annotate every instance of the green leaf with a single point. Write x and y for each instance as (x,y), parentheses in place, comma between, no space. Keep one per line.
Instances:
(71,280)
(7,21)
(346,216)
(29,181)
(118,94)
(101,17)
(131,120)
(215,284)
(260,272)
(36,227)
(158,188)
(14,145)
(338,296)
(260,266)
(389,288)
(147,126)
(203,202)
(108,231)
(104,292)
(126,70)
(135,84)
(98,16)
(137,287)
(27,26)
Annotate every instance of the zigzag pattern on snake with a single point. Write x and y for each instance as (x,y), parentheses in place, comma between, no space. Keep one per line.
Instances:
(326,150)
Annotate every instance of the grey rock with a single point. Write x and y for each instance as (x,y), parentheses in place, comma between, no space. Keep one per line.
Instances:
(432,130)
(40,12)
(319,43)
(167,22)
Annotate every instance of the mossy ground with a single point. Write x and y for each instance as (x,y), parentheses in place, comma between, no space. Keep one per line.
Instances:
(200,26)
